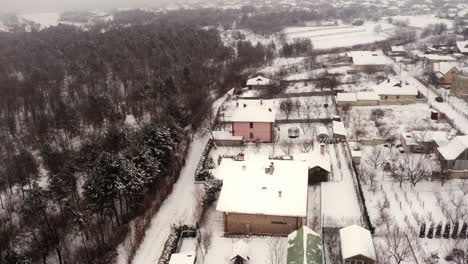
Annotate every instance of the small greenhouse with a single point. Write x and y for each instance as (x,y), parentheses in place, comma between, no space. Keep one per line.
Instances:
(304,247)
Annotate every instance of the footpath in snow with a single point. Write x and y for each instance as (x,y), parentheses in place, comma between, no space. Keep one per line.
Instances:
(176,209)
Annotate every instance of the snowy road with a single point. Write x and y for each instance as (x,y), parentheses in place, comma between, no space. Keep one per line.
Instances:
(176,209)
(459,120)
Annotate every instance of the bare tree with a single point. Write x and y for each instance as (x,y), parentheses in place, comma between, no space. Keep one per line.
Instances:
(306,146)
(443,173)
(286,107)
(298,107)
(397,244)
(415,169)
(287,147)
(457,252)
(276,250)
(375,159)
(204,242)
(274,142)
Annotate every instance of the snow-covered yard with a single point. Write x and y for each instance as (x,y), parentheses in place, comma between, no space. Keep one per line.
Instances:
(396,119)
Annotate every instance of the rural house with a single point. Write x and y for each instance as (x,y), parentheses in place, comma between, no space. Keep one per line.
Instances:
(423,141)
(304,246)
(368,60)
(318,163)
(258,82)
(431,59)
(396,90)
(263,197)
(253,120)
(454,155)
(445,72)
(356,245)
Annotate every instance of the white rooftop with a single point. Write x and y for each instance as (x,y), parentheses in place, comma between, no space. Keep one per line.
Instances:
(346,97)
(356,240)
(247,188)
(253,111)
(368,58)
(259,80)
(415,137)
(392,87)
(454,148)
(338,128)
(444,66)
(183,258)
(315,158)
(436,57)
(463,46)
(241,249)
(398,49)
(362,96)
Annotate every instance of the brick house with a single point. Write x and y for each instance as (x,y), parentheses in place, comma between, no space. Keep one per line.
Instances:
(445,71)
(263,197)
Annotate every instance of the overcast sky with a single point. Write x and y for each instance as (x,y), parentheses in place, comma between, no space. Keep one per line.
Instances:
(22,6)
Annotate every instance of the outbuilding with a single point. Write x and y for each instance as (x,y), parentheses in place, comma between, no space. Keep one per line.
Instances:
(357,246)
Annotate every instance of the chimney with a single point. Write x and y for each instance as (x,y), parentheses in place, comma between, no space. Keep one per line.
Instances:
(261,102)
(272,168)
(322,149)
(279,194)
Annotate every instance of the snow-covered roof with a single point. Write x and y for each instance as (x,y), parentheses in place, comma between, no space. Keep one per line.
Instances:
(241,249)
(416,137)
(346,97)
(435,57)
(183,258)
(356,240)
(249,188)
(254,111)
(259,80)
(304,247)
(315,159)
(392,87)
(322,130)
(338,128)
(463,46)
(398,49)
(368,58)
(362,96)
(444,66)
(225,135)
(454,148)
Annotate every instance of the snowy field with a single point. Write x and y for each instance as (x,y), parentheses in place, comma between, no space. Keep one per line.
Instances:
(282,62)
(396,119)
(339,36)
(409,207)
(422,21)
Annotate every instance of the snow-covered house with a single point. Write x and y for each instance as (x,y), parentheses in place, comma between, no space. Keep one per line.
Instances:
(454,155)
(423,141)
(253,120)
(319,164)
(356,245)
(263,197)
(357,99)
(463,47)
(240,252)
(445,71)
(258,82)
(431,59)
(368,60)
(397,51)
(460,85)
(183,258)
(304,247)
(396,90)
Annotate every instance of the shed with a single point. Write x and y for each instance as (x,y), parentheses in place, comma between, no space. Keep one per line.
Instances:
(356,245)
(183,258)
(322,134)
(240,253)
(304,247)
(339,130)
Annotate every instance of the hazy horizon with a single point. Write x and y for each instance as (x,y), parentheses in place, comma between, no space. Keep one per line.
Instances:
(27,6)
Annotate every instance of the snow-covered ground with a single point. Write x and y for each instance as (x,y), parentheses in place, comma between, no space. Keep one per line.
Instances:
(44,19)
(340,36)
(422,21)
(178,208)
(282,62)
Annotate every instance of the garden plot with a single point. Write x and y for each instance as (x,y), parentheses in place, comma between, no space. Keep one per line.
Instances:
(395,120)
(408,207)
(220,248)
(340,36)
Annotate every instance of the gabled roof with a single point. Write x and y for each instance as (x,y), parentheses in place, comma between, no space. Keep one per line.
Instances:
(315,159)
(248,188)
(445,67)
(462,46)
(304,247)
(367,96)
(368,58)
(452,150)
(259,80)
(356,240)
(435,57)
(346,97)
(240,249)
(395,87)
(338,128)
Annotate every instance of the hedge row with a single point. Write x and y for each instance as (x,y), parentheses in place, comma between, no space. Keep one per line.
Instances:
(361,195)
(205,164)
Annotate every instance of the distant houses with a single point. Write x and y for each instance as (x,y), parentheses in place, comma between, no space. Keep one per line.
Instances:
(263,197)
(357,246)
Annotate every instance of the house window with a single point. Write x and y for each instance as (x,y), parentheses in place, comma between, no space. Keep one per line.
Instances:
(278,222)
(251,124)
(251,135)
